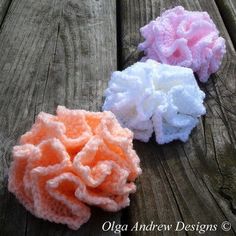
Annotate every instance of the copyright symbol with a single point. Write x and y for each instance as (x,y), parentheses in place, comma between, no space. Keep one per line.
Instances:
(226,226)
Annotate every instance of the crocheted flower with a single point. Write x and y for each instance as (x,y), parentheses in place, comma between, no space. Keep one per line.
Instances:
(184,38)
(149,96)
(69,161)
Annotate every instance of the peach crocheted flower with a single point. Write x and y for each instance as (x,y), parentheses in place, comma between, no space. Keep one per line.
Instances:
(69,161)
(184,38)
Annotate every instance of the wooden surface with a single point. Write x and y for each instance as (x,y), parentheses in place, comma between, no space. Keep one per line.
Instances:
(228,13)
(62,52)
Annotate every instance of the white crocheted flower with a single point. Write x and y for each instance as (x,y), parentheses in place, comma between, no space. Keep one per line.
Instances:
(149,96)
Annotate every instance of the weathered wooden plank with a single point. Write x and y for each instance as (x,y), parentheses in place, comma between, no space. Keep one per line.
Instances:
(228,12)
(51,52)
(194,181)
(4,7)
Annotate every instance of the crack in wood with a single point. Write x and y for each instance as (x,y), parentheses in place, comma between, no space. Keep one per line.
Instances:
(4,8)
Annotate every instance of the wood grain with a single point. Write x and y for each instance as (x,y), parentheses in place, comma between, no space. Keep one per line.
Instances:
(51,52)
(228,12)
(4,7)
(194,181)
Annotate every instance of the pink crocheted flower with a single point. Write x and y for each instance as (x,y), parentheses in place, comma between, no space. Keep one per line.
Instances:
(184,38)
(69,161)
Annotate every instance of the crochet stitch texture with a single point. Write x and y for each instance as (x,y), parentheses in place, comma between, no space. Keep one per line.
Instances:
(184,38)
(72,160)
(149,96)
